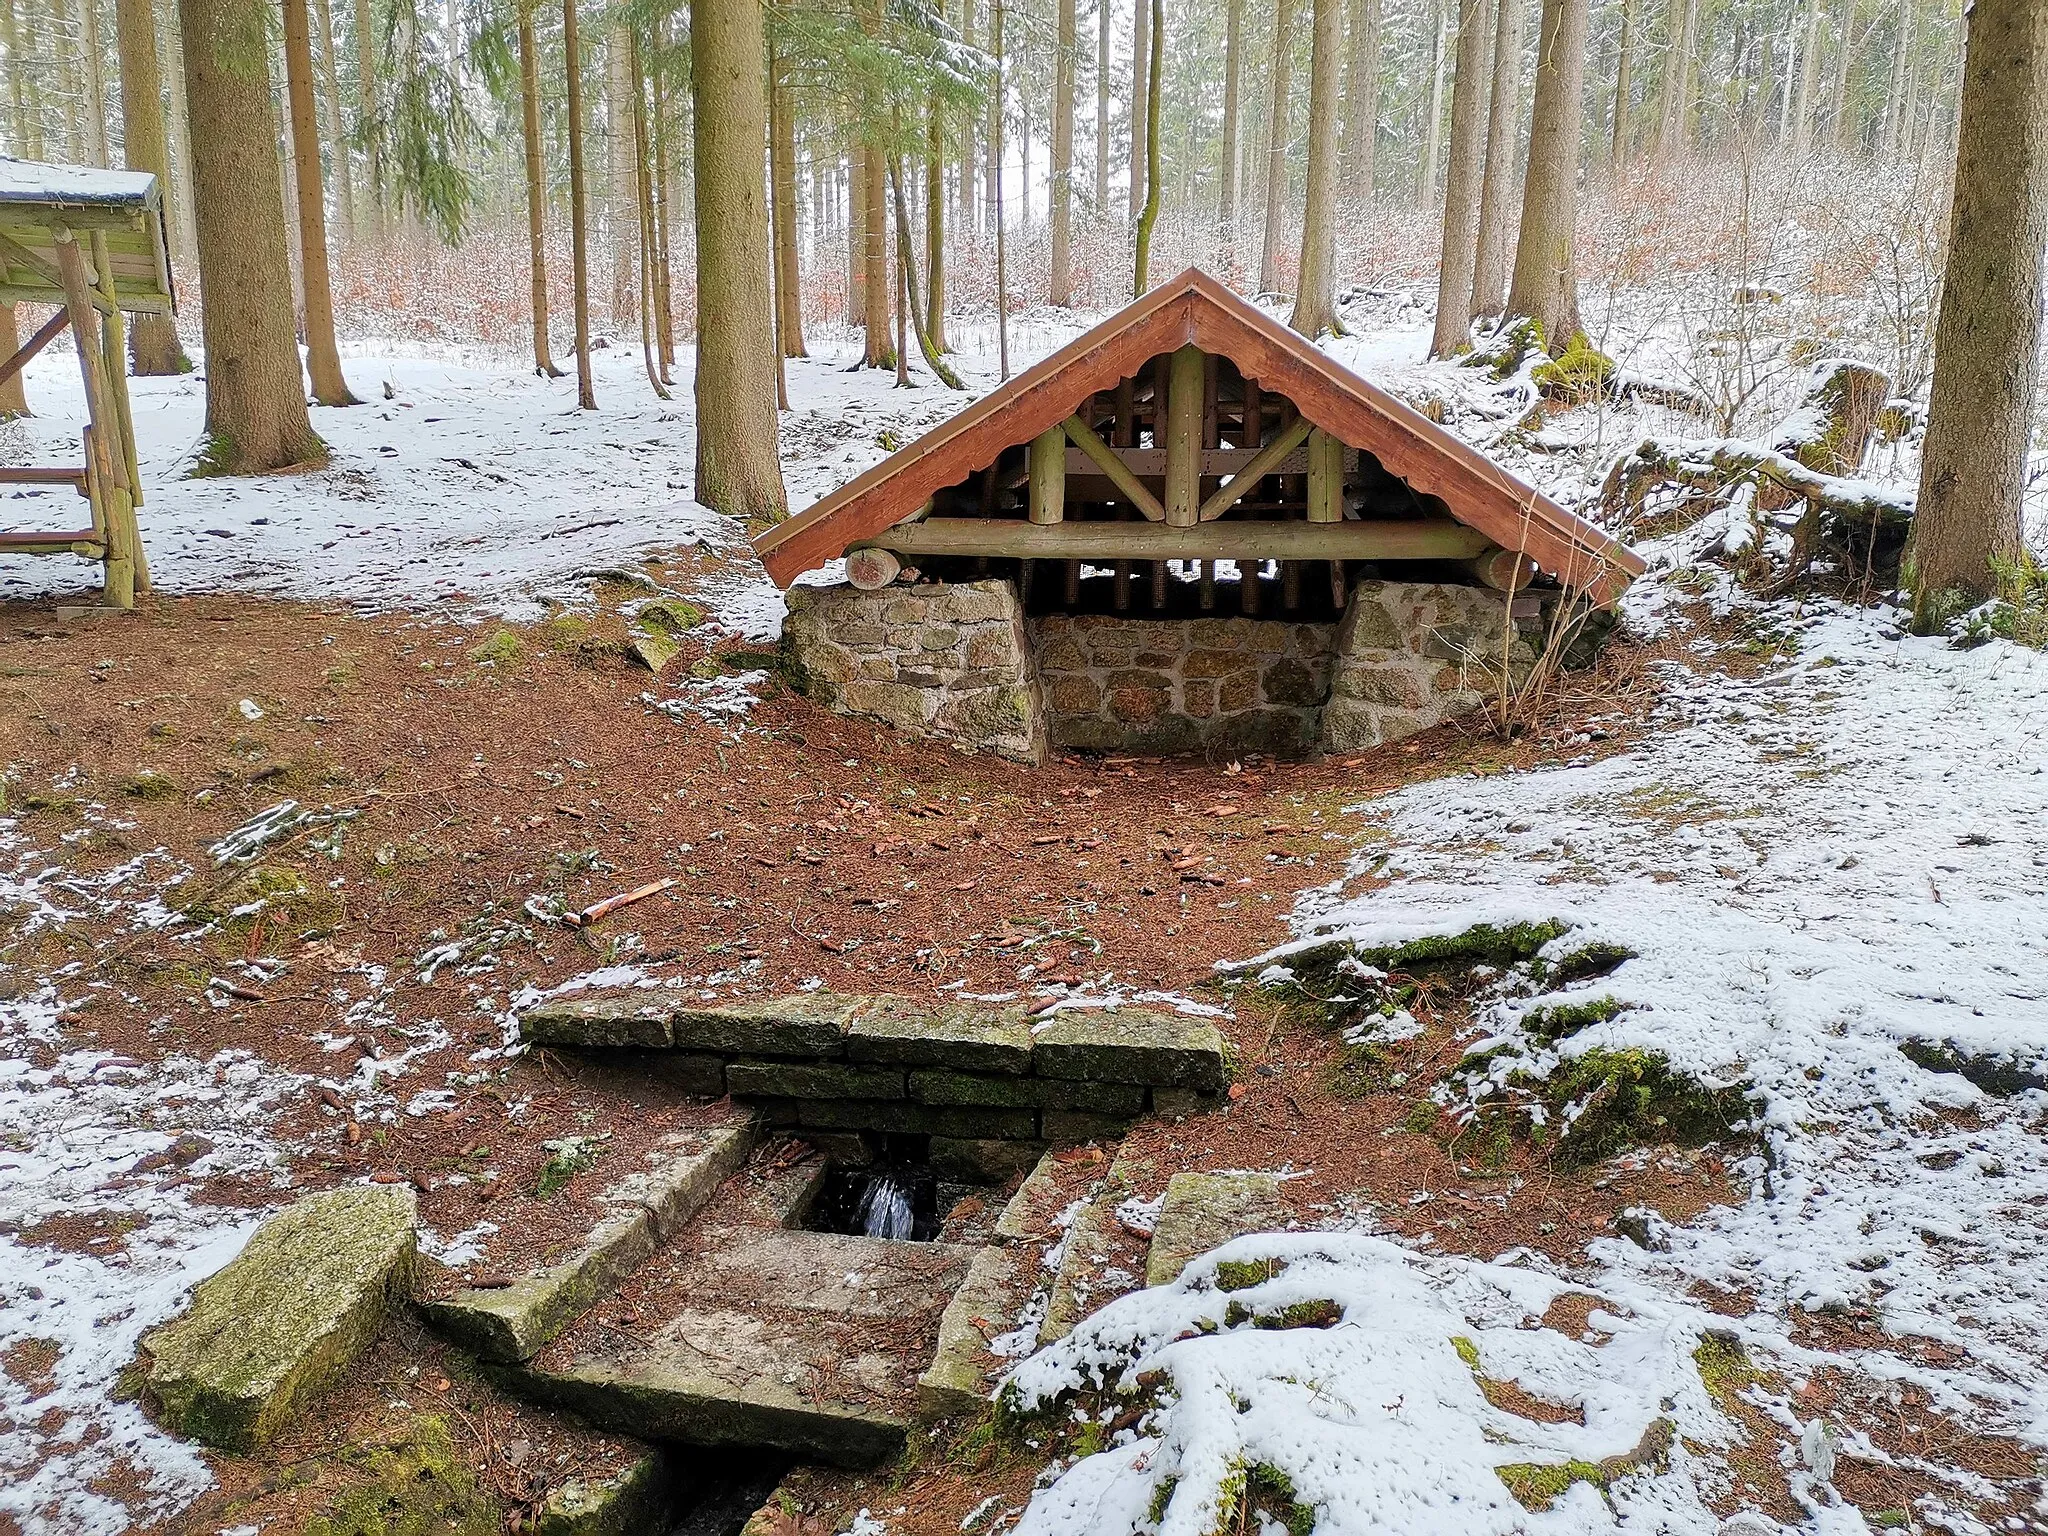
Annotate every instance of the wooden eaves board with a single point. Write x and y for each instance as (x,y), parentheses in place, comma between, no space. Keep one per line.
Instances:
(1194,307)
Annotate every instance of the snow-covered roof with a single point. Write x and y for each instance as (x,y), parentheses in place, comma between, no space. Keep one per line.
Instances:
(32,181)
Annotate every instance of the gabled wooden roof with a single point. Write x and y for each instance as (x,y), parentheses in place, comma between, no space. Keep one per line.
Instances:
(1195,308)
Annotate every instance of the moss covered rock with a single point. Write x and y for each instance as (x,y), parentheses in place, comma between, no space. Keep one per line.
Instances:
(417,1484)
(269,1333)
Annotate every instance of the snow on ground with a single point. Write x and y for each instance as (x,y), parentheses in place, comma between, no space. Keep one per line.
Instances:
(1811,867)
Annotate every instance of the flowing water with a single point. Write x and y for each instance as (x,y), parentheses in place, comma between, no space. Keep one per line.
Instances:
(888,1205)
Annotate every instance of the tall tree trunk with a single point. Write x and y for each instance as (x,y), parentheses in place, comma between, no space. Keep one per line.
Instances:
(579,209)
(1892,146)
(881,345)
(1361,99)
(992,162)
(995,188)
(934,230)
(857,234)
(1461,180)
(663,285)
(1102,41)
(94,71)
(1809,76)
(1141,58)
(789,298)
(621,207)
(153,339)
(1497,182)
(331,126)
(1279,131)
(323,357)
(1060,290)
(366,112)
(536,193)
(739,471)
(1838,85)
(178,196)
(1987,338)
(964,187)
(908,297)
(1230,166)
(1674,116)
(1155,35)
(643,221)
(17,83)
(1624,66)
(1546,285)
(255,394)
(1433,130)
(1315,301)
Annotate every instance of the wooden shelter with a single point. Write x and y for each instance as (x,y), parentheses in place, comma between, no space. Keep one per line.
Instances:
(90,242)
(1188,429)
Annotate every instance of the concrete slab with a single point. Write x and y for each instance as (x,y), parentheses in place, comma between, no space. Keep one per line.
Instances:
(804,1342)
(1206,1210)
(1153,1046)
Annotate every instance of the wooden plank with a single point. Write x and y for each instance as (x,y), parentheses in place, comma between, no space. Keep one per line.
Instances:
(1183,433)
(35,344)
(1150,463)
(34,475)
(1325,477)
(1049,476)
(1015,539)
(1106,460)
(1265,462)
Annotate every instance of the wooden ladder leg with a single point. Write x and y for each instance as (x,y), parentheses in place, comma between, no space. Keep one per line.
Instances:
(114,349)
(113,513)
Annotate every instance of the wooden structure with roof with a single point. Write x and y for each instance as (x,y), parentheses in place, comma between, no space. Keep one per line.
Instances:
(1188,429)
(91,243)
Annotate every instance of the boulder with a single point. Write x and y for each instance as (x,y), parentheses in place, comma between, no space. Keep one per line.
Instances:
(269,1333)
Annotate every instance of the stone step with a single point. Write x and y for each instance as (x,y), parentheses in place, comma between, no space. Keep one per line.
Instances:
(805,1342)
(1201,1211)
(1092,1229)
(827,1061)
(647,1208)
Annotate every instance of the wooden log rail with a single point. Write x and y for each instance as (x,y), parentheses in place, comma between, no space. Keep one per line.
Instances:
(1013,539)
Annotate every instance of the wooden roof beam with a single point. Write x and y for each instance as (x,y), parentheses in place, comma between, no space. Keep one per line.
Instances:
(1013,539)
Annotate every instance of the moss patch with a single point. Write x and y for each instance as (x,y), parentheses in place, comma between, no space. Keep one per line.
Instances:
(1610,1100)
(1243,1274)
(1537,1485)
(500,650)
(415,1486)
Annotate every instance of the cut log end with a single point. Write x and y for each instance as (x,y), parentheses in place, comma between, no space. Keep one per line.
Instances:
(872,569)
(1504,570)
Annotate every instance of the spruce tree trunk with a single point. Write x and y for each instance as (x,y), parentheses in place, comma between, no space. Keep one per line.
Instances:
(1432,141)
(95,84)
(964,187)
(331,127)
(935,230)
(1497,181)
(881,344)
(1230,166)
(856,235)
(1279,130)
(1674,118)
(13,398)
(152,339)
(621,207)
(1361,100)
(789,300)
(739,471)
(178,196)
(536,193)
(255,394)
(323,356)
(1546,285)
(1148,216)
(366,111)
(1315,299)
(1060,289)
(1624,66)
(1809,76)
(1102,40)
(1141,58)
(1988,336)
(1453,331)
(579,209)
(1838,84)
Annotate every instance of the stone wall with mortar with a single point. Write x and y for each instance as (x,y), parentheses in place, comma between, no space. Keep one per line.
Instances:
(1182,685)
(1410,655)
(947,660)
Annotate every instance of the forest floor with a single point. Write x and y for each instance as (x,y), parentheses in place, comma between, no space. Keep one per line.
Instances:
(1815,840)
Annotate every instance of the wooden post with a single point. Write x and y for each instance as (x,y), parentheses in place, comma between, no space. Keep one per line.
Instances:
(1073,583)
(1248,587)
(1048,468)
(1208,585)
(1183,422)
(114,340)
(1159,574)
(110,511)
(1325,477)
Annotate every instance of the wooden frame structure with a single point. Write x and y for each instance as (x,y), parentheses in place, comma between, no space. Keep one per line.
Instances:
(1192,427)
(90,242)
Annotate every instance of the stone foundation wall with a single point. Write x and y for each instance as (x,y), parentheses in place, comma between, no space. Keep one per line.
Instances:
(946,661)
(961,663)
(1411,655)
(1183,685)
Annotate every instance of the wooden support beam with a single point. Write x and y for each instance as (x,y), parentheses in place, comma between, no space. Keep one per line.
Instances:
(1325,477)
(1263,463)
(13,254)
(42,338)
(113,513)
(1015,539)
(34,475)
(1150,463)
(1104,456)
(1183,419)
(1048,459)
